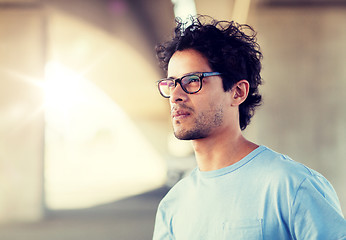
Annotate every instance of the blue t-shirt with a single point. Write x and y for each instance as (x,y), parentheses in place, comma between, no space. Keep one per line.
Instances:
(265,195)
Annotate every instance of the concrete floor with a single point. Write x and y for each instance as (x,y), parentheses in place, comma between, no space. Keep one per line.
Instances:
(128,219)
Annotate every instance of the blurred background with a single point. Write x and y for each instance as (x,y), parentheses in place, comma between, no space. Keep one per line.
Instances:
(86,146)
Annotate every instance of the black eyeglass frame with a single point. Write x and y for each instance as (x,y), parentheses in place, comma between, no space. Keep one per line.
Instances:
(200,75)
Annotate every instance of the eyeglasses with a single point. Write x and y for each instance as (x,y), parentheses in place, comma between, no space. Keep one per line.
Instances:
(191,83)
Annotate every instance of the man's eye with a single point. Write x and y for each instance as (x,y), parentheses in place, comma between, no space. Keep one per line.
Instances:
(191,79)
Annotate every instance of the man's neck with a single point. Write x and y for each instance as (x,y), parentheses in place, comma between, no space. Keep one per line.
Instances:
(213,153)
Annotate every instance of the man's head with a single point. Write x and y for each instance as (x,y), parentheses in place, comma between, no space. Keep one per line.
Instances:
(227,49)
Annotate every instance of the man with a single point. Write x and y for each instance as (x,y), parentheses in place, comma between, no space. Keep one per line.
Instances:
(240,190)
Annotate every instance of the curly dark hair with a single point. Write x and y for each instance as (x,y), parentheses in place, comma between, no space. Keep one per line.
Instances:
(229,50)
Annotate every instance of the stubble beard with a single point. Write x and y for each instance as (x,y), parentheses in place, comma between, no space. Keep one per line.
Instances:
(204,124)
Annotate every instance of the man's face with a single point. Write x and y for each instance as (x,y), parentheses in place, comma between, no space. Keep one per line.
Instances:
(199,115)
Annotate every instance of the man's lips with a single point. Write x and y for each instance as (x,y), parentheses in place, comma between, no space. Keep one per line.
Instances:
(179,114)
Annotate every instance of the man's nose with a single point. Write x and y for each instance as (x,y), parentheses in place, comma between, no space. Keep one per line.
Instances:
(178,94)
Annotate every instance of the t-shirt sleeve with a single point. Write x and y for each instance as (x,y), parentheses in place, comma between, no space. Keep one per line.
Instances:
(316,212)
(161,230)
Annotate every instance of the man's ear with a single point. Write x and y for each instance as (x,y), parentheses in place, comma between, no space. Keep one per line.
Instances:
(240,91)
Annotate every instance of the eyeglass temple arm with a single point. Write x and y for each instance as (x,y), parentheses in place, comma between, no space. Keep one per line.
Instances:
(207,74)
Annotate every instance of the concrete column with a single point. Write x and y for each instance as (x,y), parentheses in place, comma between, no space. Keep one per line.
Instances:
(221,10)
(21,113)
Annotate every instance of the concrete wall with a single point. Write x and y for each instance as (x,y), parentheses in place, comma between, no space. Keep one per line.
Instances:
(75,34)
(21,115)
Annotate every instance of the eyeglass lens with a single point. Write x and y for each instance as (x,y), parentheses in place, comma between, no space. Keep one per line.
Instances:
(189,84)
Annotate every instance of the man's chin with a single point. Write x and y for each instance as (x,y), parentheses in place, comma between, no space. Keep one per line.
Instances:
(188,135)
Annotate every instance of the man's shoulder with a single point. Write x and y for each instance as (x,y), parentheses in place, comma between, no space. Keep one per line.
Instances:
(281,164)
(282,170)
